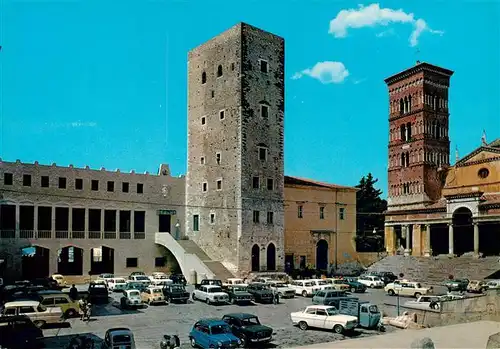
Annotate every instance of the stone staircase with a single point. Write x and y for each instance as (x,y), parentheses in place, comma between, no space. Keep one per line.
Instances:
(435,270)
(217,268)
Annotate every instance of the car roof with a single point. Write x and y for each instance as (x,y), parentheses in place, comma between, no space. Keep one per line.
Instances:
(211,286)
(119,329)
(241,316)
(212,322)
(22,303)
(322,307)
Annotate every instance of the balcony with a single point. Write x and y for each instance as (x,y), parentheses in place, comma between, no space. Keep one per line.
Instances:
(95,235)
(78,235)
(139,235)
(7,234)
(125,235)
(27,234)
(44,234)
(62,234)
(110,234)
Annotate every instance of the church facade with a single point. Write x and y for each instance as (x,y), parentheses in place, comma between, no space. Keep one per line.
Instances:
(435,208)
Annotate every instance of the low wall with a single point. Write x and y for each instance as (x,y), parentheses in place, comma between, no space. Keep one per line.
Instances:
(368,258)
(484,307)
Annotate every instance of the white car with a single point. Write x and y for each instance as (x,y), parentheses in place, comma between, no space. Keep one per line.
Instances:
(426,302)
(282,289)
(325,317)
(210,294)
(321,284)
(234,282)
(160,279)
(106,277)
(131,299)
(493,284)
(371,281)
(117,284)
(38,313)
(143,279)
(407,288)
(305,288)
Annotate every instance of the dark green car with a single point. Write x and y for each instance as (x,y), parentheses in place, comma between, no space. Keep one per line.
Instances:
(354,285)
(456,284)
(248,329)
(239,295)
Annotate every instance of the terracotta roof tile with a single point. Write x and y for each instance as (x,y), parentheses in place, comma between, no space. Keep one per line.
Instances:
(438,204)
(493,198)
(311,182)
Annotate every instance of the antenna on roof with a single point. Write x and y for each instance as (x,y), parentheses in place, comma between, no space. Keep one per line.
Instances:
(417,53)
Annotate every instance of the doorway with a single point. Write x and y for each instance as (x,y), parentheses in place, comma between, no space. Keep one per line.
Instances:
(164,222)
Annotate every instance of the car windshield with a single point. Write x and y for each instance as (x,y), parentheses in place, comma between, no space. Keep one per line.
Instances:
(134,294)
(120,281)
(161,277)
(237,282)
(322,282)
(142,278)
(250,321)
(331,311)
(220,329)
(214,289)
(121,339)
(239,289)
(177,288)
(373,309)
(98,286)
(280,285)
(156,290)
(259,287)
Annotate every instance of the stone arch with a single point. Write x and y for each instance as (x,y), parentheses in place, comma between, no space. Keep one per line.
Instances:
(271,257)
(322,254)
(255,257)
(463,230)
(102,260)
(70,260)
(35,262)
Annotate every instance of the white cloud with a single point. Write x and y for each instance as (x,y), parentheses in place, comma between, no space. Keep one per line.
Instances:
(326,72)
(385,33)
(372,15)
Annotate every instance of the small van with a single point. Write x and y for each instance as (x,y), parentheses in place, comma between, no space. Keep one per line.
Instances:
(69,307)
(329,297)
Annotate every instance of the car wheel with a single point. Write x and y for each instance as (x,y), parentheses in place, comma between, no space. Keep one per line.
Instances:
(208,301)
(303,325)
(39,323)
(233,301)
(391,292)
(338,329)
(372,285)
(70,313)
(168,300)
(194,297)
(353,289)
(417,294)
(193,343)
(304,293)
(243,340)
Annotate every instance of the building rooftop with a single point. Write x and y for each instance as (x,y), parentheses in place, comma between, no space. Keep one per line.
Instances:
(292,180)
(420,66)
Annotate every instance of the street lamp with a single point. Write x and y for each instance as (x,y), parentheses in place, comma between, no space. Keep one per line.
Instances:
(177,230)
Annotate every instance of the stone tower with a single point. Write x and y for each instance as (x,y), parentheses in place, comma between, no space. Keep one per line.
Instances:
(235,171)
(419,147)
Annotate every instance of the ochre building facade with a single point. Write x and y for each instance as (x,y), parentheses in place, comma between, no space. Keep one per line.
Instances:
(435,208)
(320,224)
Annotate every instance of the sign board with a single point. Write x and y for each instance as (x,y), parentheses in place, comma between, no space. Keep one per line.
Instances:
(166,212)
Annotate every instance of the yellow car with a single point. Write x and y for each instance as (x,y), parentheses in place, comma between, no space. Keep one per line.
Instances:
(153,295)
(69,307)
(59,279)
(338,284)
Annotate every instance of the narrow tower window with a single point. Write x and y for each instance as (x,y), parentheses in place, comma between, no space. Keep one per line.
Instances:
(264,67)
(203,78)
(264,111)
(219,71)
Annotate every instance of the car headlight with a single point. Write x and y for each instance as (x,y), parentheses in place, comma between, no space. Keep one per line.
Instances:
(219,344)
(239,341)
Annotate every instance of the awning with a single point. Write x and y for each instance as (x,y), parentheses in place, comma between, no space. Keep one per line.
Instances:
(28,252)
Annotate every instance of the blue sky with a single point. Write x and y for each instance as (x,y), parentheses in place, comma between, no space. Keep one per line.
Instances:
(103,83)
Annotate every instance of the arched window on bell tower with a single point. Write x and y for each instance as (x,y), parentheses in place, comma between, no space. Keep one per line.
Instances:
(402,159)
(402,129)
(408,131)
(401,106)
(409,103)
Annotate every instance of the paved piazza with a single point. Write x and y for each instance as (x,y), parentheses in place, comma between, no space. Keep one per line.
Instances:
(151,322)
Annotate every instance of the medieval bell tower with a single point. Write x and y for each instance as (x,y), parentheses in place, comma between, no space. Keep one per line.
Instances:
(419,147)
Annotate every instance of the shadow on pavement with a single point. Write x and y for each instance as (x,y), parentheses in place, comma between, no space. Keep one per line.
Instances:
(111,309)
(63,341)
(57,325)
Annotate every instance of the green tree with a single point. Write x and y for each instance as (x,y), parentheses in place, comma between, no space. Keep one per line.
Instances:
(369,215)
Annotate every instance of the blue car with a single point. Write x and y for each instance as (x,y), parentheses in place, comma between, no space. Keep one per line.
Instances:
(213,333)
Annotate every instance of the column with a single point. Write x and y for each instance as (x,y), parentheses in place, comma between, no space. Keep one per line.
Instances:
(18,212)
(86,222)
(35,220)
(408,239)
(427,249)
(451,249)
(53,222)
(86,262)
(476,238)
(416,237)
(117,224)
(389,239)
(53,260)
(132,222)
(70,222)
(102,224)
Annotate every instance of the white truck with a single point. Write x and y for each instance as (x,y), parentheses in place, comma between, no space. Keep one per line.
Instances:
(324,317)
(211,294)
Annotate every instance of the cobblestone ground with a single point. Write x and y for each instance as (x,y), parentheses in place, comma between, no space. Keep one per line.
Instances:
(151,322)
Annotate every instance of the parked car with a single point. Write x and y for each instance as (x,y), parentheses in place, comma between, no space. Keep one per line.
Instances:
(37,312)
(476,286)
(282,289)
(325,317)
(19,332)
(106,278)
(133,285)
(211,294)
(260,292)
(248,329)
(338,284)
(61,281)
(69,307)
(175,293)
(143,279)
(371,281)
(239,295)
(305,288)
(426,302)
(178,279)
(456,285)
(493,284)
(234,282)
(131,299)
(48,283)
(210,333)
(136,273)
(120,337)
(98,293)
(153,295)
(158,275)
(407,288)
(354,285)
(386,276)
(329,297)
(160,279)
(117,284)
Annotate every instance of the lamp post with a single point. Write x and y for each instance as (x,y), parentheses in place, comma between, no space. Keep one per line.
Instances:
(177,230)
